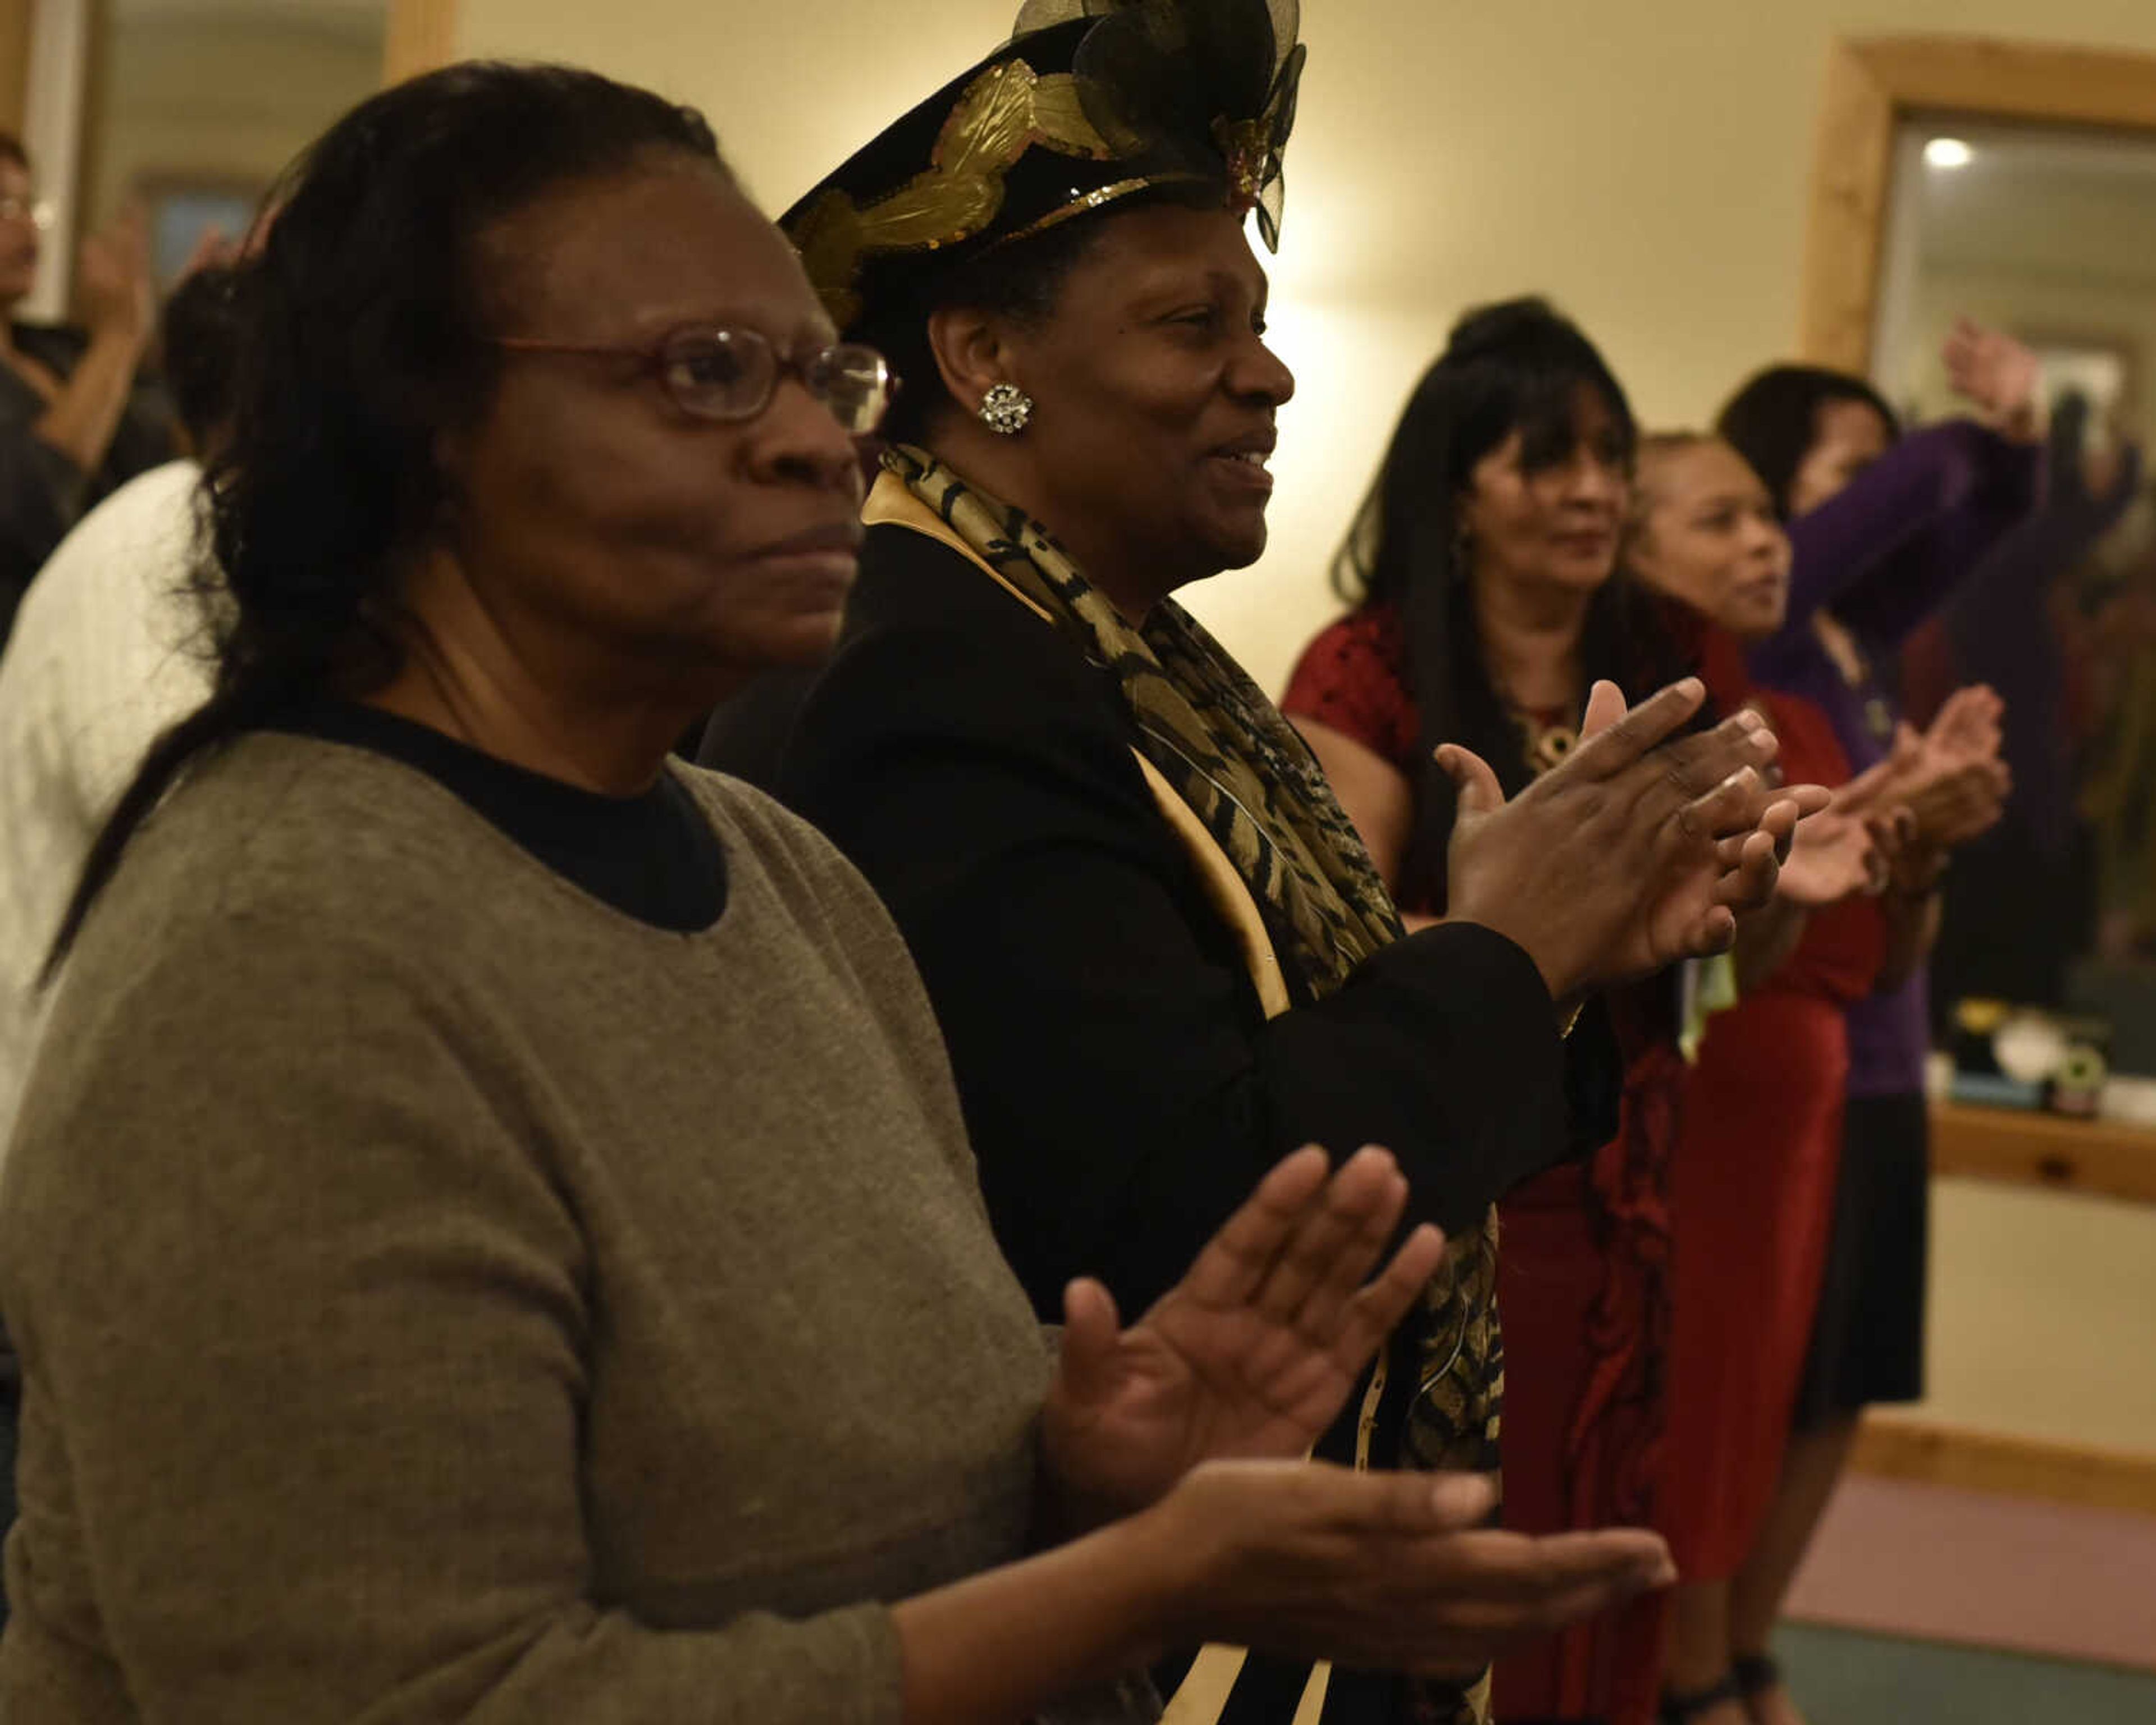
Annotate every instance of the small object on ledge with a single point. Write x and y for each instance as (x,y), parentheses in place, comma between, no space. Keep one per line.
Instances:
(2010,1057)
(1981,1090)
(2129,1101)
(2077,1083)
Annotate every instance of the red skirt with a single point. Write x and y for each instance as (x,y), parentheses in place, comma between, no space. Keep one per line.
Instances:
(1753,1190)
(1582,1287)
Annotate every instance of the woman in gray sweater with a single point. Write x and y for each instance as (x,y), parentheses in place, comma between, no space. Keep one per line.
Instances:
(491,1235)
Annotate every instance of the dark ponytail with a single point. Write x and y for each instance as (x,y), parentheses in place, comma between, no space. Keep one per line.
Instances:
(363,326)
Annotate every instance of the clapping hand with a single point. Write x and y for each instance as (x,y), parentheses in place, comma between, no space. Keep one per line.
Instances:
(1882,785)
(1252,1354)
(1964,784)
(1834,856)
(1385,1571)
(1199,1410)
(1950,776)
(1641,849)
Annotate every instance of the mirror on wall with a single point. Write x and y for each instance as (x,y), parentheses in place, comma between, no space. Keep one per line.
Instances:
(192,107)
(2051,234)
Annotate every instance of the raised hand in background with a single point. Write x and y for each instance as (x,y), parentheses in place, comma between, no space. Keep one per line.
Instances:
(1998,376)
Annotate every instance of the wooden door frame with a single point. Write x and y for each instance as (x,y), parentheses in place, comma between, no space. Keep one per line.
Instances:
(1875,83)
(14,62)
(421,35)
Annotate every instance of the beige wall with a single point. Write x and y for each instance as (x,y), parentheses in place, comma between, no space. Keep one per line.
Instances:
(2043,1318)
(1644,164)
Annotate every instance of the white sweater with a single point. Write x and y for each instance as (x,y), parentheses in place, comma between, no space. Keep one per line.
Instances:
(98,662)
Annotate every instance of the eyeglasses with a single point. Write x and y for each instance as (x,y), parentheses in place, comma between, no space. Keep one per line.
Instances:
(731,374)
(34,210)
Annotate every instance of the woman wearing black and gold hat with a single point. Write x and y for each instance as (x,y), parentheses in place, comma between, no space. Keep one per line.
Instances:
(1156,948)
(455,1361)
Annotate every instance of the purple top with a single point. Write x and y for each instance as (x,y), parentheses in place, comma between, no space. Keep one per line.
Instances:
(1999,629)
(1882,554)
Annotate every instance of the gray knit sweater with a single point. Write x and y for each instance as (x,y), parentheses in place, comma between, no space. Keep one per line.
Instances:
(443,1297)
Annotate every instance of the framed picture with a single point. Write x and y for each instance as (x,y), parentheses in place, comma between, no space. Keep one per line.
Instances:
(184,209)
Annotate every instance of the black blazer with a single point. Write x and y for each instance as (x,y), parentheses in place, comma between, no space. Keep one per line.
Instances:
(1124,1089)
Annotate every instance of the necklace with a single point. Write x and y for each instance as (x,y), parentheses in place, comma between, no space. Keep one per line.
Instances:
(1547,736)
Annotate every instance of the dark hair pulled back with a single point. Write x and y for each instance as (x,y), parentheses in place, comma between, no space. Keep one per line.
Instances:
(1774,420)
(365,322)
(1022,281)
(198,340)
(1517,365)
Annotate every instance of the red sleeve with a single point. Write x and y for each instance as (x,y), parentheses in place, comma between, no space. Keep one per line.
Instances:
(1352,678)
(1928,672)
(1843,945)
(1811,753)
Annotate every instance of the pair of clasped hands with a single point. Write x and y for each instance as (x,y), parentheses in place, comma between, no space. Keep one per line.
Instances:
(1891,829)
(1641,849)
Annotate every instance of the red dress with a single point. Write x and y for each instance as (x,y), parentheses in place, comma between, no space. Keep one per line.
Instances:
(1583,1284)
(1753,1183)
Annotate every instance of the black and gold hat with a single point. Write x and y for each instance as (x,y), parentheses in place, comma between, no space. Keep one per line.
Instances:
(1089,102)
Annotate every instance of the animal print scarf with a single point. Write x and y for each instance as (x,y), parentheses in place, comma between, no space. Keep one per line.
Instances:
(1247,774)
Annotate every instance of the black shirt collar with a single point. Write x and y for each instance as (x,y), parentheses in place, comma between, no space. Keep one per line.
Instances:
(652,855)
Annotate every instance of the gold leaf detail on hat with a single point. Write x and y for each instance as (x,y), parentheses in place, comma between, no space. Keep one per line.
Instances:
(1247,146)
(997,117)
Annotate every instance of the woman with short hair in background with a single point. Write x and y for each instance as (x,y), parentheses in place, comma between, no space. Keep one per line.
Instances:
(1754,1170)
(1884,528)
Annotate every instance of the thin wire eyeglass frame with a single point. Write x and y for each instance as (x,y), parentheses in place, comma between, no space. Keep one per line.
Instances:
(671,359)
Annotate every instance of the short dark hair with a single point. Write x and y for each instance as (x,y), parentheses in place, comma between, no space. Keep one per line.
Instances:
(366,319)
(198,337)
(1023,281)
(1772,421)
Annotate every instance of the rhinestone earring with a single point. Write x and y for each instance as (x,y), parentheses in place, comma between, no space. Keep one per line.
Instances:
(1005,409)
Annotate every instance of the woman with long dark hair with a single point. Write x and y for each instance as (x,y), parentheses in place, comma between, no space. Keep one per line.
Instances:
(490,1234)
(1479,569)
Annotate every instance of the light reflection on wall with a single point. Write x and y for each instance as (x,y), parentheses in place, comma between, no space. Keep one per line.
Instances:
(1354,363)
